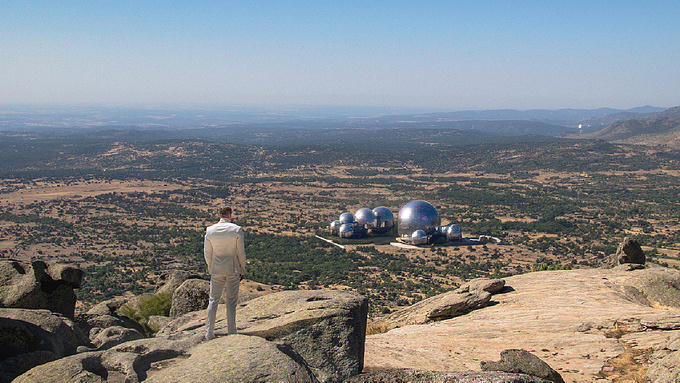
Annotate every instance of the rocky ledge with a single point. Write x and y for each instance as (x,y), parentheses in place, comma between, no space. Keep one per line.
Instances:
(305,336)
(590,325)
(595,325)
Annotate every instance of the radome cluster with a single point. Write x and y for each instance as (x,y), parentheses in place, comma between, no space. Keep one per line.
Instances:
(379,221)
(418,224)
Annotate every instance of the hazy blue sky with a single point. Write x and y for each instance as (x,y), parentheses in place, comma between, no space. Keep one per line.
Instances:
(434,54)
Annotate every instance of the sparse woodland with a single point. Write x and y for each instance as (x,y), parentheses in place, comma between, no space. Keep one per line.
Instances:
(126,209)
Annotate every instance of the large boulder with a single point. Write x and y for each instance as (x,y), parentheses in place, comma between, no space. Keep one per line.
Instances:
(82,368)
(304,335)
(192,295)
(326,327)
(92,324)
(32,337)
(172,279)
(38,285)
(492,286)
(523,362)
(113,336)
(107,307)
(14,337)
(473,295)
(237,358)
(660,288)
(12,367)
(628,252)
(128,362)
(50,332)
(108,330)
(419,376)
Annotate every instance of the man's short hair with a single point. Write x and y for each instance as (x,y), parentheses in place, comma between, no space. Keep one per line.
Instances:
(225,211)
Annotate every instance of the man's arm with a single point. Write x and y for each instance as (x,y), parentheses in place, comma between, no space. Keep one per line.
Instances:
(207,251)
(241,254)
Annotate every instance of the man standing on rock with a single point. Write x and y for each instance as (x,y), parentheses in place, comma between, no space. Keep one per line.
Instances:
(226,258)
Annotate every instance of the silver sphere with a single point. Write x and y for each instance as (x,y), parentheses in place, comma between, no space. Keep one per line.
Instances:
(419,237)
(346,218)
(366,218)
(346,230)
(454,233)
(417,215)
(384,218)
(335,227)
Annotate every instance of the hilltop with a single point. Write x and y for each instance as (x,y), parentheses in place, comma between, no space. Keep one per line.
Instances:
(587,325)
(662,128)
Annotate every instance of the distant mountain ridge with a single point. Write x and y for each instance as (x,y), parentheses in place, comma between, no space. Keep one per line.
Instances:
(565,117)
(668,113)
(308,127)
(660,128)
(626,129)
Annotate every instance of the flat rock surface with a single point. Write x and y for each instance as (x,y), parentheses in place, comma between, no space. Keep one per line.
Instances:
(270,314)
(569,319)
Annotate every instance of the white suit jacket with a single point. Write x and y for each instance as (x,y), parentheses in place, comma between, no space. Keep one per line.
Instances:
(224,250)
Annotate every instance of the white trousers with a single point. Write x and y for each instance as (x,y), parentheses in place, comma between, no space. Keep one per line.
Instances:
(217,283)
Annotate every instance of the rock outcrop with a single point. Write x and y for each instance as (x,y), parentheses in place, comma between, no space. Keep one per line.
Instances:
(194,295)
(471,296)
(666,368)
(310,335)
(105,328)
(491,286)
(584,323)
(128,362)
(37,285)
(107,307)
(240,358)
(172,279)
(34,337)
(326,327)
(523,362)
(191,295)
(660,289)
(113,336)
(628,252)
(581,322)
(417,376)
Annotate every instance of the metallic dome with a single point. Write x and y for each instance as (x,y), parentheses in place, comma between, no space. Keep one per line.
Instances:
(417,215)
(419,237)
(335,227)
(365,217)
(346,230)
(384,218)
(454,233)
(346,218)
